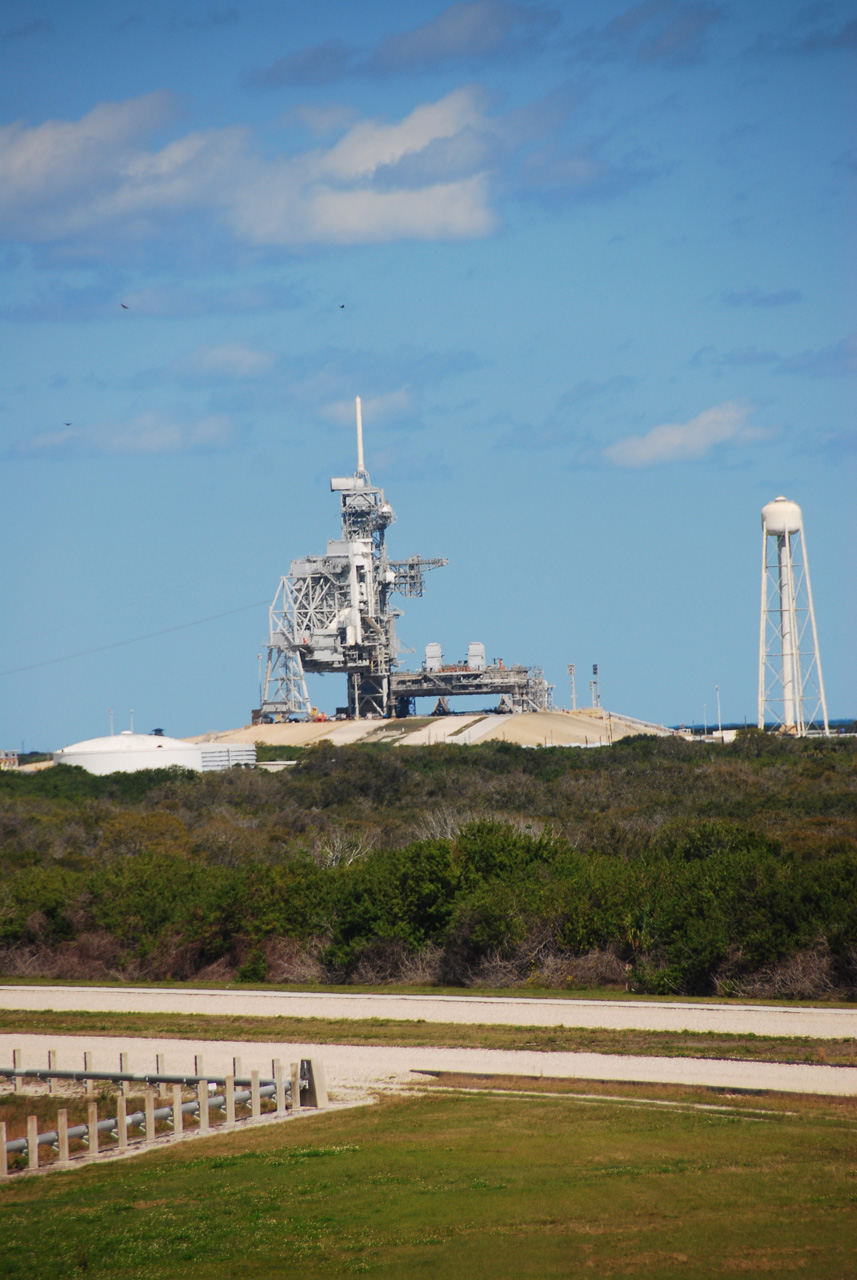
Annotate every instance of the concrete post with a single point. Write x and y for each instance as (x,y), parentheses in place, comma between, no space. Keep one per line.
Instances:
(62,1135)
(296,1085)
(52,1062)
(280,1084)
(87,1066)
(202,1095)
(33,1142)
(317,1091)
(4,1163)
(229,1089)
(16,1063)
(255,1100)
(150,1115)
(92,1131)
(123,1066)
(121,1123)
(178,1122)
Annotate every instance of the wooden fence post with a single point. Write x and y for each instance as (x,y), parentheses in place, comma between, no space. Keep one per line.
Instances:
(160,1064)
(87,1066)
(236,1068)
(123,1067)
(198,1068)
(92,1131)
(296,1085)
(202,1096)
(16,1063)
(280,1084)
(150,1115)
(178,1123)
(229,1089)
(4,1163)
(33,1142)
(62,1135)
(255,1099)
(52,1062)
(121,1123)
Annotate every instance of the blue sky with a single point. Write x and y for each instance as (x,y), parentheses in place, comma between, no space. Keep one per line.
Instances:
(590,266)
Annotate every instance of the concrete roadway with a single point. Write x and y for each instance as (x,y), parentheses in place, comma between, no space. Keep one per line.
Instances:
(355,1071)
(630,1015)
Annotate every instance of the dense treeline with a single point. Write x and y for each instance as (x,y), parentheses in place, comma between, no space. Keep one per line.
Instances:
(656,864)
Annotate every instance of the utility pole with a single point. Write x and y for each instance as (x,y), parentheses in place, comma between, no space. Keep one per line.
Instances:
(705,719)
(719,721)
(570,670)
(597,702)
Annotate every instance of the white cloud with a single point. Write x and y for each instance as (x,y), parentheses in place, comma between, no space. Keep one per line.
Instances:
(375,408)
(685,441)
(91,178)
(231,360)
(149,433)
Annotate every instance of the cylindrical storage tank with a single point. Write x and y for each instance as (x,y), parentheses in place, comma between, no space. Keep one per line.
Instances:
(434,656)
(782,516)
(127,752)
(476,655)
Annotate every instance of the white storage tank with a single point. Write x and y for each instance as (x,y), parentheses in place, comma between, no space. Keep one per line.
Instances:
(476,656)
(434,656)
(127,752)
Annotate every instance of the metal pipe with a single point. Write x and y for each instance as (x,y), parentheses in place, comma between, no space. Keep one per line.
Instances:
(138,1118)
(360,467)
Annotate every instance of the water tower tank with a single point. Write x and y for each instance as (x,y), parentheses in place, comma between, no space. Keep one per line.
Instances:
(782,516)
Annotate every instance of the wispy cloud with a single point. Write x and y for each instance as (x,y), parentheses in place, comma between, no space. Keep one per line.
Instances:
(762,298)
(836,361)
(38,27)
(664,32)
(806,39)
(686,441)
(69,180)
(471,32)
(147,434)
(224,363)
(435,174)
(377,408)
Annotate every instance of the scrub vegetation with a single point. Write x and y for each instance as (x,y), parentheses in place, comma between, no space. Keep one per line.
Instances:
(453,1184)
(655,866)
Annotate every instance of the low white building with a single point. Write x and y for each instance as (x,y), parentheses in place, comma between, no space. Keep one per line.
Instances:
(127,752)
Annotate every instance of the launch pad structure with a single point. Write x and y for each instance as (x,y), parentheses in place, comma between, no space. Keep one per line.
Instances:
(334,613)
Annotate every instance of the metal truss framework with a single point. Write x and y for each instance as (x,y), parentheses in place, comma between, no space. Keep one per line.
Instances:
(791,686)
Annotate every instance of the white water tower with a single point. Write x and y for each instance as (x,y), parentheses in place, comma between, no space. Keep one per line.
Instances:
(791,688)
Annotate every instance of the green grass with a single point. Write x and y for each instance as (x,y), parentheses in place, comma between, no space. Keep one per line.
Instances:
(454,1186)
(686,1044)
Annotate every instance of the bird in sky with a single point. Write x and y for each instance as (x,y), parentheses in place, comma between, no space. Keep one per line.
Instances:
(66,424)
(341,306)
(123,306)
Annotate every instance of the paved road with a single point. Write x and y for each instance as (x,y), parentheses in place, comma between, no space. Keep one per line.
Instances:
(355,1070)
(769,1020)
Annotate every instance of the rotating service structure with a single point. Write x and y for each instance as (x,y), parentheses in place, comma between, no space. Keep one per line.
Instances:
(335,613)
(791,686)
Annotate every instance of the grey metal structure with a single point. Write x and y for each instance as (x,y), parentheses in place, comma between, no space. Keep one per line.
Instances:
(334,612)
(519,688)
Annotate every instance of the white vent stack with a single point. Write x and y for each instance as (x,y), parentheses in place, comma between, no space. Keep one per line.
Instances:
(791,688)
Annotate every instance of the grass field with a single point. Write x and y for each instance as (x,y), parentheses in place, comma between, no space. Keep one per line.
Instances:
(454,1185)
(670,1044)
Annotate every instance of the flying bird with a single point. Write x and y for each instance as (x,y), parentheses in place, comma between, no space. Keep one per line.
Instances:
(123,306)
(66,424)
(342,306)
